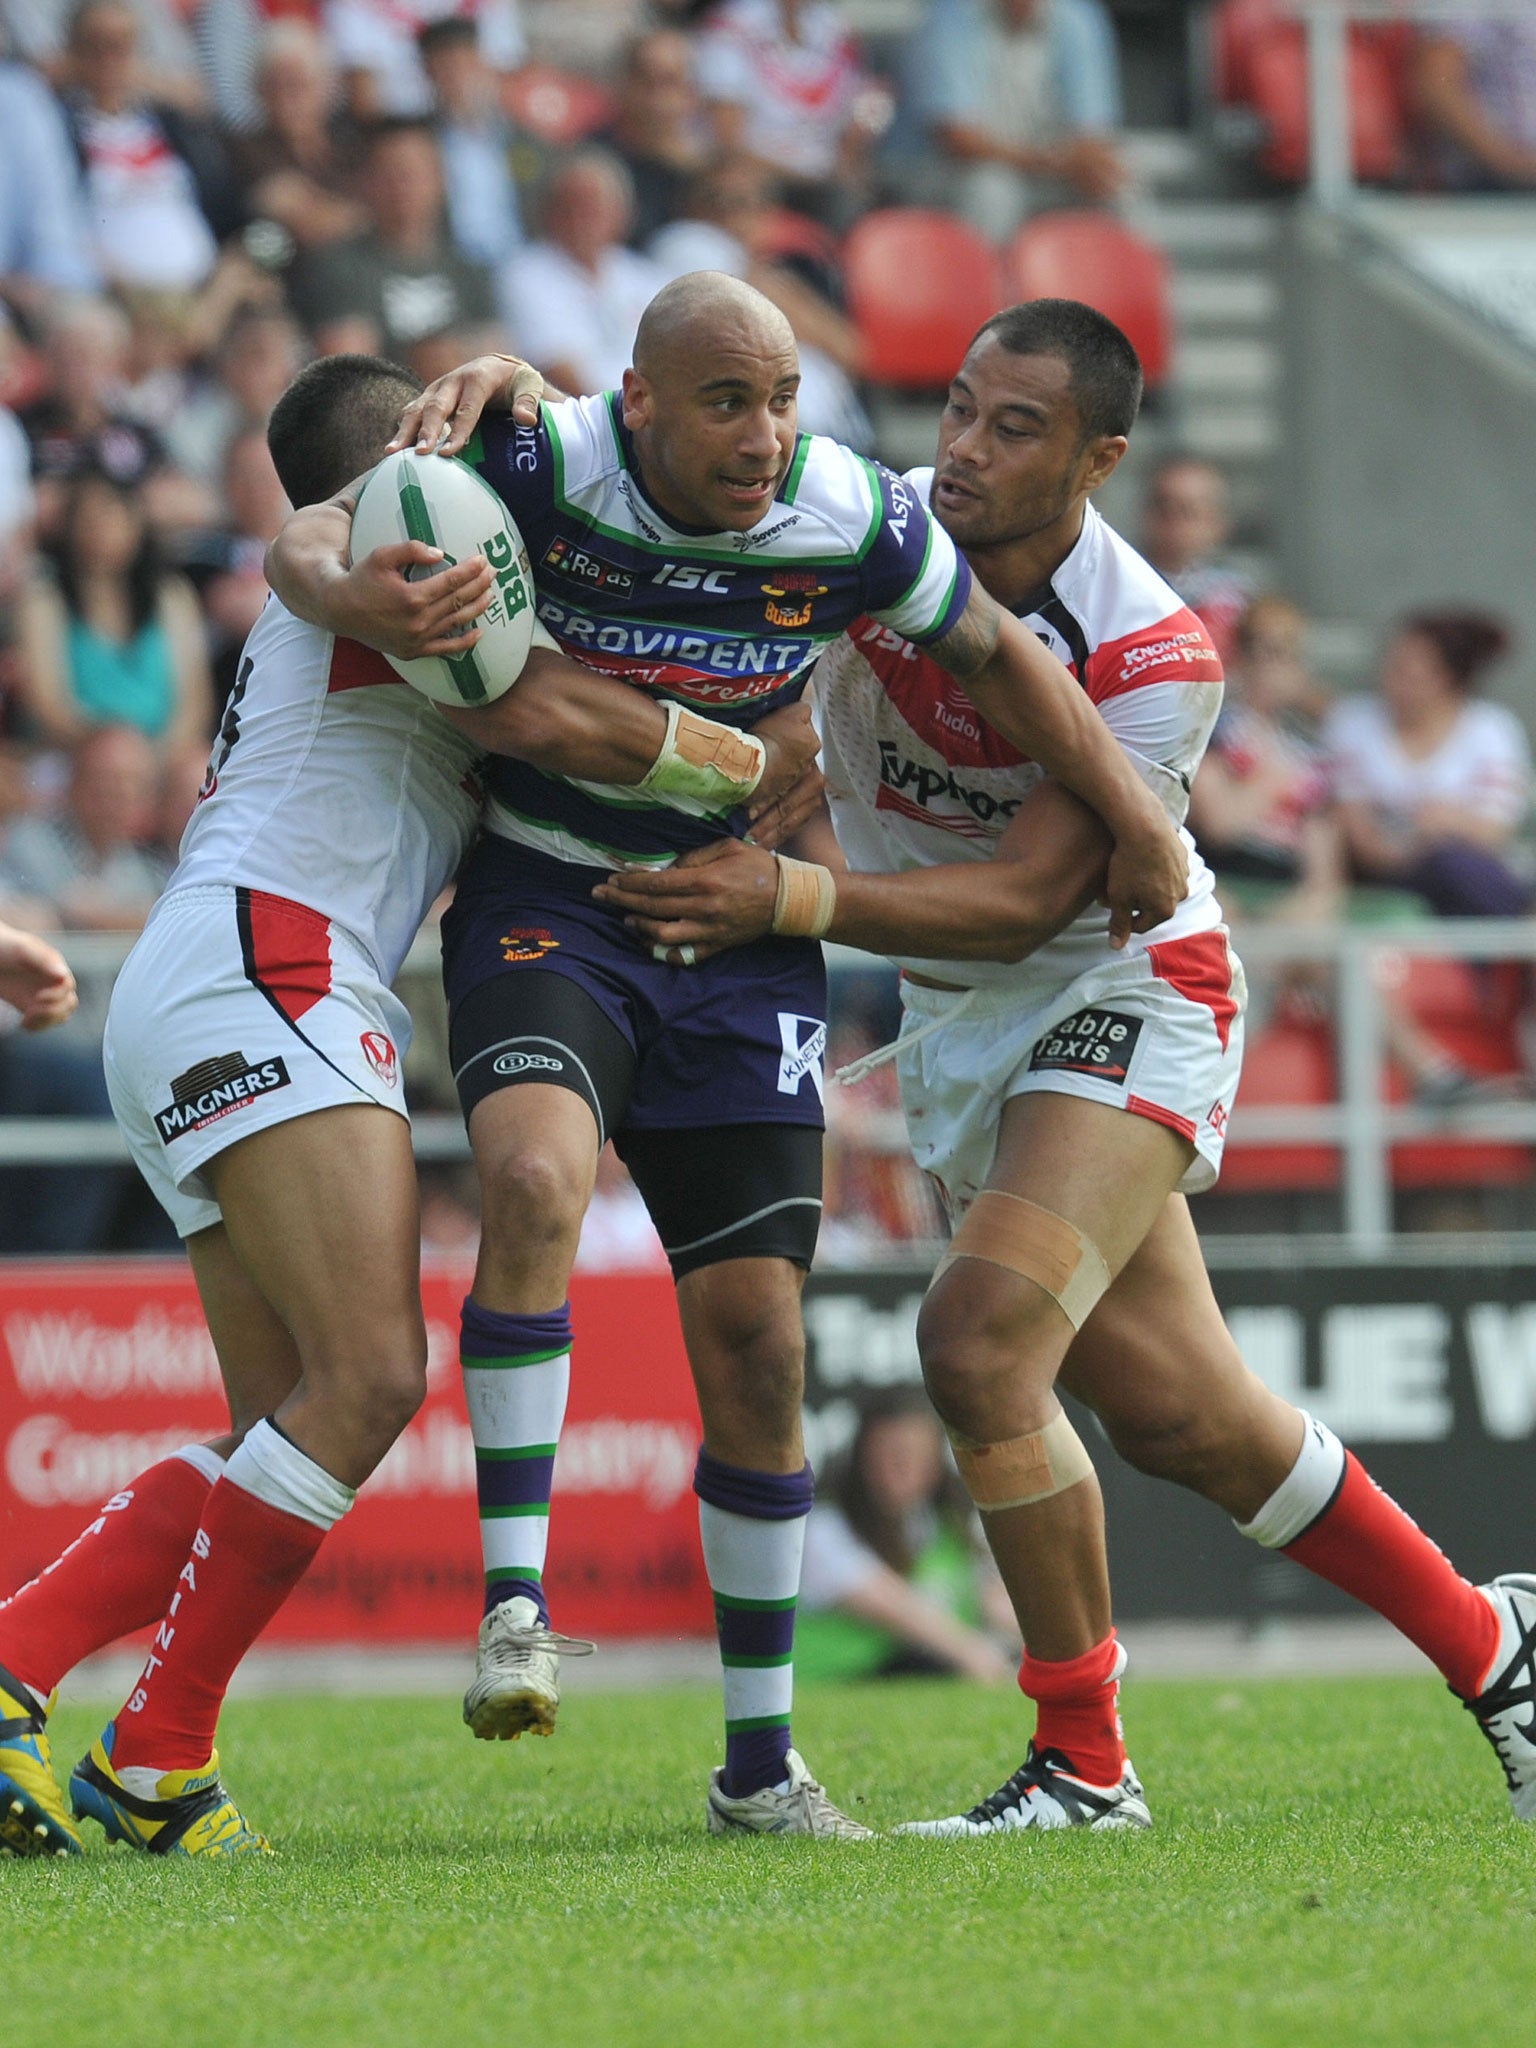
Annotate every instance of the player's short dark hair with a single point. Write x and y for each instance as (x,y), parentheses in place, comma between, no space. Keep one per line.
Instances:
(333,421)
(1106,370)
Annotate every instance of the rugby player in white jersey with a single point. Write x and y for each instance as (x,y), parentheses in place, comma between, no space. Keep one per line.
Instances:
(253,1052)
(1066,1097)
(685,536)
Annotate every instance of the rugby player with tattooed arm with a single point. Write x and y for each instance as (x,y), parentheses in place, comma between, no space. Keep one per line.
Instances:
(1066,1096)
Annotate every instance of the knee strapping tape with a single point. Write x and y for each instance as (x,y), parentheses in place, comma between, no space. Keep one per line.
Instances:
(1025,1468)
(1009,1231)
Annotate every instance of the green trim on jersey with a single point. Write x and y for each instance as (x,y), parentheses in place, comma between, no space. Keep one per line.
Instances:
(707,544)
(796,468)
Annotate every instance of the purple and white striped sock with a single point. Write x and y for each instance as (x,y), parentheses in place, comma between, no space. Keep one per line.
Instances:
(753,1530)
(517,1373)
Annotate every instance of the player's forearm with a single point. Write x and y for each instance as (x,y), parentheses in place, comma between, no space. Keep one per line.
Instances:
(568,720)
(994,911)
(307,563)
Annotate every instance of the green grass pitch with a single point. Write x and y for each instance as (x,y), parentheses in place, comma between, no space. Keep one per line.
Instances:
(1333,1863)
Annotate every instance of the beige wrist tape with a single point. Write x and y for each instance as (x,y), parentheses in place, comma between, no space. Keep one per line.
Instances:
(806,900)
(1025,1468)
(712,764)
(1008,1231)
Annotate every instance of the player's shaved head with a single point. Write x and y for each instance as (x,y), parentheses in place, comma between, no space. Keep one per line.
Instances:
(711,400)
(701,314)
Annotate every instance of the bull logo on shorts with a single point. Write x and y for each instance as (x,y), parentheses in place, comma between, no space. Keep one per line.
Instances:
(791,597)
(527,942)
(380,1054)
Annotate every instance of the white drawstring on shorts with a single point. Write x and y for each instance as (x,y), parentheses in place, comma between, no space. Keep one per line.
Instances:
(858,1070)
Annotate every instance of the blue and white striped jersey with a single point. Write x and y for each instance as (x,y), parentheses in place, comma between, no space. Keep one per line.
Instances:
(729,623)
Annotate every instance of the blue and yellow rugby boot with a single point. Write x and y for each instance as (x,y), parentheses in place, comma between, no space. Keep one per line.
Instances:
(33,1820)
(182,1813)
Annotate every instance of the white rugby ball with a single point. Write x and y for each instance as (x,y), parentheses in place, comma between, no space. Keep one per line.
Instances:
(442,501)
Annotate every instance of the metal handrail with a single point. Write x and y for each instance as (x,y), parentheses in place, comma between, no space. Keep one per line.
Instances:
(1332,181)
(1361,1124)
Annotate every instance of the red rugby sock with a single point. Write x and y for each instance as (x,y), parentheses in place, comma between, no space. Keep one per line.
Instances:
(115,1577)
(1365,1544)
(1078,1700)
(247,1557)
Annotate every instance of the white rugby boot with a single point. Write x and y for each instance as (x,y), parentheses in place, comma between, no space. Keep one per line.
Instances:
(1505,1709)
(800,1807)
(516,1687)
(1045,1792)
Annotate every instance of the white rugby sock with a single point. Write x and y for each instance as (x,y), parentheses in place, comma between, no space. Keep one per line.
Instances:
(1305,1491)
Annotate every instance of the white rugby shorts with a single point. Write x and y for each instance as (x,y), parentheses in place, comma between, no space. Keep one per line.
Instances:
(235,1011)
(1158,1033)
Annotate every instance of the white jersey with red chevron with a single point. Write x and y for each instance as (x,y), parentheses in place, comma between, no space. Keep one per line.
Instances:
(916,779)
(335,785)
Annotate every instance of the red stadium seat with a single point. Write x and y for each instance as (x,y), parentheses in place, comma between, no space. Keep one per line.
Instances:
(1236,27)
(1277,91)
(1096,258)
(1284,1064)
(1472,1013)
(557,107)
(920,283)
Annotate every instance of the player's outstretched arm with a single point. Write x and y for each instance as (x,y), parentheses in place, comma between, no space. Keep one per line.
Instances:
(448,411)
(1025,693)
(35,979)
(1050,864)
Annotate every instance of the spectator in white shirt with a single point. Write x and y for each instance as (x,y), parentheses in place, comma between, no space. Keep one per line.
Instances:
(784,84)
(574,298)
(159,187)
(1433,781)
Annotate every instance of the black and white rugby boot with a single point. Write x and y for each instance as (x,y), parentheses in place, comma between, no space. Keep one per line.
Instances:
(1505,1709)
(1045,1792)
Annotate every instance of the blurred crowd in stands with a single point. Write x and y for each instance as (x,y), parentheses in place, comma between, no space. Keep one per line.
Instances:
(198,195)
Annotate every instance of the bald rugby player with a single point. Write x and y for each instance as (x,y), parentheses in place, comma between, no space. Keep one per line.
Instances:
(1067,1097)
(253,1052)
(686,538)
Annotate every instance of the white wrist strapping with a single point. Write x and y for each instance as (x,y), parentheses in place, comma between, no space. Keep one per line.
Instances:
(709,763)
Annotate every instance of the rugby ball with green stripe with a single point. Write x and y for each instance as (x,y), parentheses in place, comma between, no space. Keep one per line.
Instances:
(442,501)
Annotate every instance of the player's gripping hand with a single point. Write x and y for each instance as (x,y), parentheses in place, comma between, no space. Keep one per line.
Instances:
(775,823)
(35,979)
(789,789)
(381,604)
(716,896)
(1147,881)
(448,411)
